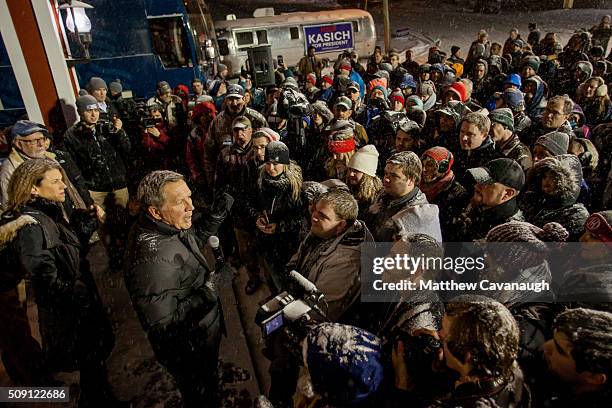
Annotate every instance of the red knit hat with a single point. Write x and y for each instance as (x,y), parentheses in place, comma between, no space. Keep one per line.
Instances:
(341,146)
(346,66)
(202,107)
(397,95)
(439,154)
(312,78)
(458,88)
(328,79)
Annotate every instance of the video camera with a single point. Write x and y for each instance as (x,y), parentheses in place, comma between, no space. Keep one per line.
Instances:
(284,309)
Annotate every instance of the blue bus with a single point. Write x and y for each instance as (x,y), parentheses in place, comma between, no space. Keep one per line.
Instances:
(140,42)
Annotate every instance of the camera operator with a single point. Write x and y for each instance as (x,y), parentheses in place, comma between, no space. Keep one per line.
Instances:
(154,140)
(97,148)
(169,282)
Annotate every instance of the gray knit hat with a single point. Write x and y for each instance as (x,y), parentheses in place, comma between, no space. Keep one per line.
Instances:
(503,116)
(530,248)
(96,83)
(115,86)
(556,143)
(86,102)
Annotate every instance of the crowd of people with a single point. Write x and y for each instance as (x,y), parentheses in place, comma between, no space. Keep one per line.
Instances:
(510,144)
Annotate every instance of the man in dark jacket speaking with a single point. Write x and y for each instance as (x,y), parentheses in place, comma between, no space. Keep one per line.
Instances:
(170,286)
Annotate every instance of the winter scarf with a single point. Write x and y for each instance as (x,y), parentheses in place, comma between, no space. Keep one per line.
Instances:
(431,190)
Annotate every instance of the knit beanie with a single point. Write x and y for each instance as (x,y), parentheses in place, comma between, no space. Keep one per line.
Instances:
(277,152)
(311,78)
(345,363)
(556,143)
(86,102)
(96,83)
(532,61)
(533,249)
(458,88)
(202,107)
(382,89)
(600,225)
(414,103)
(221,67)
(346,65)
(439,154)
(341,136)
(268,133)
(397,95)
(408,82)
(115,87)
(514,99)
(503,116)
(365,160)
(437,68)
(328,79)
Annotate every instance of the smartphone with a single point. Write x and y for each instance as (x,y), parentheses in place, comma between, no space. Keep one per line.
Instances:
(280,60)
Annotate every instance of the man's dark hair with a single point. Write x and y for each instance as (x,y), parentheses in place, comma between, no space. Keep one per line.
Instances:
(590,332)
(310,47)
(196,80)
(486,330)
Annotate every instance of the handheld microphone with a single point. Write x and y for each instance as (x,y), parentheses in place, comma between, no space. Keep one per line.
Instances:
(213,242)
(307,285)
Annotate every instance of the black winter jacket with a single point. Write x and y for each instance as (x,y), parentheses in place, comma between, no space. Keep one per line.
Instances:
(467,159)
(99,156)
(169,282)
(73,324)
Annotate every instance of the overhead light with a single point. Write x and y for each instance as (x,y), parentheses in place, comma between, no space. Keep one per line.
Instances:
(78,23)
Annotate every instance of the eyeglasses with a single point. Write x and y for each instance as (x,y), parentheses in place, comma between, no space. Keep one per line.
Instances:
(546,111)
(33,142)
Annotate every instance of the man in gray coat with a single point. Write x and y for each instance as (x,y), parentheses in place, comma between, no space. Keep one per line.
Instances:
(402,176)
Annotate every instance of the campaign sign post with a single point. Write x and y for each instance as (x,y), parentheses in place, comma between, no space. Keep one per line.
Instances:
(329,37)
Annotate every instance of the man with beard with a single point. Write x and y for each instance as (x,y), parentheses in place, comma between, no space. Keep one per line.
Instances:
(477,147)
(506,141)
(498,184)
(221,128)
(362,179)
(400,194)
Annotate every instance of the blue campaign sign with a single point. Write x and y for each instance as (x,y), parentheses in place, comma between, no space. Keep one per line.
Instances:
(329,37)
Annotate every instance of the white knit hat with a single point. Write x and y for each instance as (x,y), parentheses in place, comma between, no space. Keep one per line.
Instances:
(365,160)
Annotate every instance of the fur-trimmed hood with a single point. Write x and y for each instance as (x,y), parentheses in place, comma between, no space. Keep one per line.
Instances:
(568,175)
(9,228)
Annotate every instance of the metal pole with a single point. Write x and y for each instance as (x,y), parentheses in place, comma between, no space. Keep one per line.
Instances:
(387,26)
